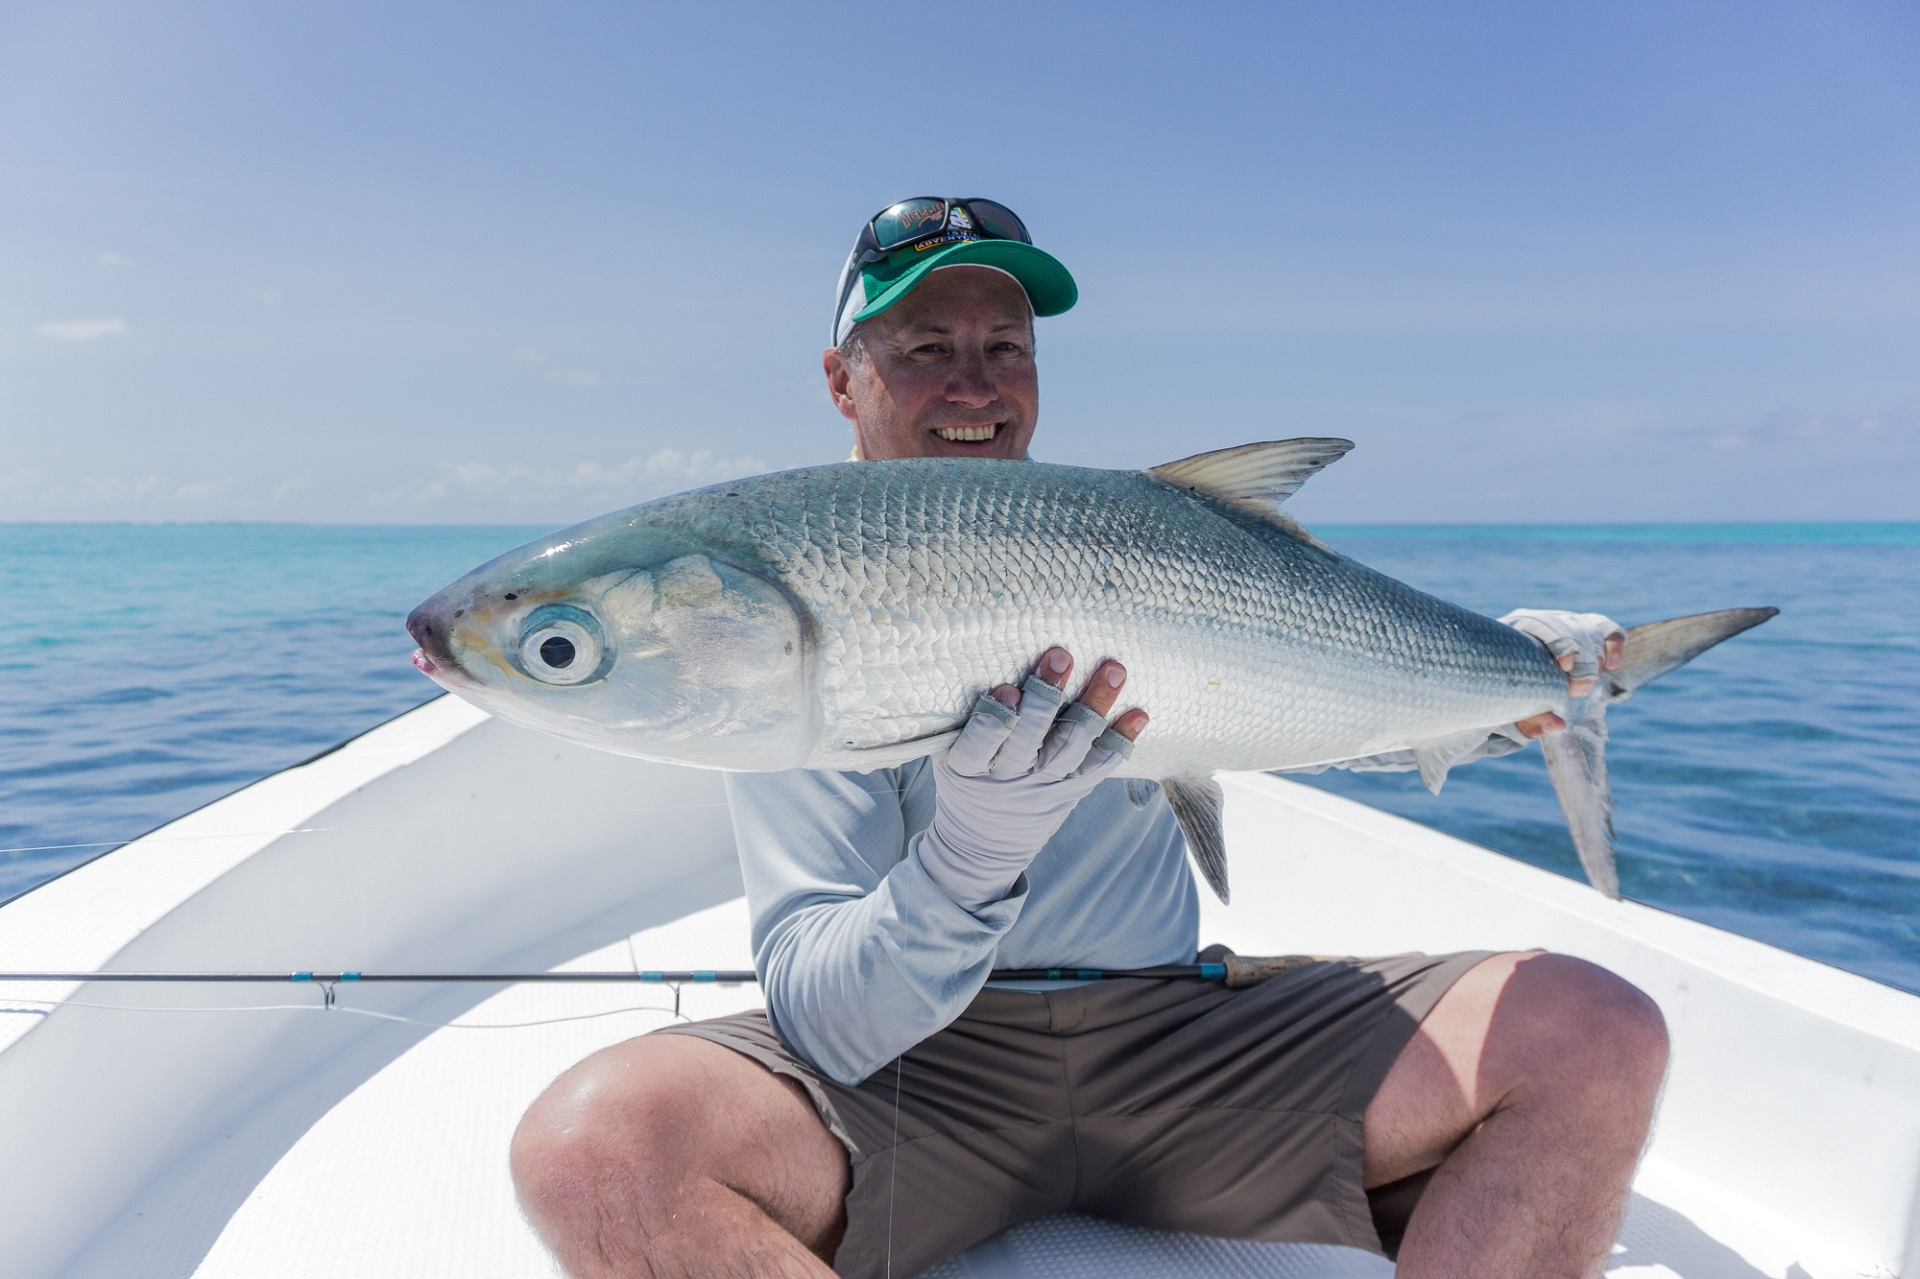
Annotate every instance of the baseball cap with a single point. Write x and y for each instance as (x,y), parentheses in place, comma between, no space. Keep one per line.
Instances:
(906,241)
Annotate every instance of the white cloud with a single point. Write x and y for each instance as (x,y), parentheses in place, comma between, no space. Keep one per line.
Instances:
(567,377)
(1598,463)
(1890,429)
(28,494)
(290,488)
(83,330)
(582,488)
(110,258)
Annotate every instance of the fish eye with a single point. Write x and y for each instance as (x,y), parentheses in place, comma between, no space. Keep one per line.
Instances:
(562,646)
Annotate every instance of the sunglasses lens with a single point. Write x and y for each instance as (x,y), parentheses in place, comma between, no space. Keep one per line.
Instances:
(909,220)
(998,221)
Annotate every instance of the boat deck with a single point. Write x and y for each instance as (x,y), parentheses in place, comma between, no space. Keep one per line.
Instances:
(184,1131)
(407,1175)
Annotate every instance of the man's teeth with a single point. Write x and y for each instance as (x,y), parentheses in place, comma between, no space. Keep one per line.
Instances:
(968,434)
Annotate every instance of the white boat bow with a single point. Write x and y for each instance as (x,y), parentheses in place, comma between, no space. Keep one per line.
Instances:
(182,1130)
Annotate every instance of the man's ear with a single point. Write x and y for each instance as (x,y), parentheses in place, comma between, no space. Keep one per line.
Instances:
(840,383)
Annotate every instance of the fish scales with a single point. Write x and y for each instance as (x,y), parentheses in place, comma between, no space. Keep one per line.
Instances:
(1248,648)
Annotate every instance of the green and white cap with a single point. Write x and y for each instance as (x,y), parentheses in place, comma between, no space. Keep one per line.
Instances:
(867,289)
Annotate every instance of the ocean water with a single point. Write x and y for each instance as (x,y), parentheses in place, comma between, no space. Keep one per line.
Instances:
(1771,788)
(146,670)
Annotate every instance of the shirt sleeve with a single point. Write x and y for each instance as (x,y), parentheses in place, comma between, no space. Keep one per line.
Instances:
(860,954)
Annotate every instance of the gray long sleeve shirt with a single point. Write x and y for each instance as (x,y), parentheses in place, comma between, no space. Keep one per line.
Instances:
(861,955)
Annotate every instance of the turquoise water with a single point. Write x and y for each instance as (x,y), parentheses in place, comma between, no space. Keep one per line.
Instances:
(148,669)
(1771,788)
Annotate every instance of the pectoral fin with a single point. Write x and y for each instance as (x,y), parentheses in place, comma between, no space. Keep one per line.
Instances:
(1198,803)
(894,754)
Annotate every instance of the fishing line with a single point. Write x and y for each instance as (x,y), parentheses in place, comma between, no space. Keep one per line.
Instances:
(491,819)
(656,976)
(893,1160)
(331,1008)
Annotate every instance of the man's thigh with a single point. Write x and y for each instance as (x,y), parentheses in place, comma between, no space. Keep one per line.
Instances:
(968,1133)
(1240,1113)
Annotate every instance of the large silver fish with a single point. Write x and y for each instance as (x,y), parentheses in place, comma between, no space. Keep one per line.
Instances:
(845,617)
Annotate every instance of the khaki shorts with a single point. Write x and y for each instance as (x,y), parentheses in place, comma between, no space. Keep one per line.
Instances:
(1176,1105)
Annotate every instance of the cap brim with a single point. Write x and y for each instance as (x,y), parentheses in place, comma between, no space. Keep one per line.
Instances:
(1049,287)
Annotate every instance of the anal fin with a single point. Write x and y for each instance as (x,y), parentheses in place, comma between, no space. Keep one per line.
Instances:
(1198,803)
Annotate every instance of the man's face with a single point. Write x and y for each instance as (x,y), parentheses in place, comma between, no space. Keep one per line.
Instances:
(948,371)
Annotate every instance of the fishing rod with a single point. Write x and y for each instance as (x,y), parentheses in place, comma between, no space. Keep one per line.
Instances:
(1234,970)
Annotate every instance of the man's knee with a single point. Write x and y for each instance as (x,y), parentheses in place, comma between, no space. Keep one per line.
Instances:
(625,1120)
(607,1159)
(1578,1021)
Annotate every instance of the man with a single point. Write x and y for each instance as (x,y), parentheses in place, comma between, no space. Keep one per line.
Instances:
(1483,1112)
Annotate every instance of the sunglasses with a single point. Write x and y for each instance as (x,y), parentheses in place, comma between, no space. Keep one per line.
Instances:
(927,220)
(926,217)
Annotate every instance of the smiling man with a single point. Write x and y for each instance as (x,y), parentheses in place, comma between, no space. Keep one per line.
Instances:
(1481,1114)
(949,371)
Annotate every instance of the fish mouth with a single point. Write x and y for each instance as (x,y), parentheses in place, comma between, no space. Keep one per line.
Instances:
(433,658)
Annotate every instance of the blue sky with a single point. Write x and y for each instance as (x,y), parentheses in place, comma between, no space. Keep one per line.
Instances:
(518,263)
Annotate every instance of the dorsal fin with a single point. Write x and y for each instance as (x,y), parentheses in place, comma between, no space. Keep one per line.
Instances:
(1257,477)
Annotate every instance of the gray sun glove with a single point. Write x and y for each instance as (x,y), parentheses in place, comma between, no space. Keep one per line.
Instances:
(1582,634)
(1005,785)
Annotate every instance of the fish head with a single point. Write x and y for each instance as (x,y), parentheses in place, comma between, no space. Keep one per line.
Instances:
(637,645)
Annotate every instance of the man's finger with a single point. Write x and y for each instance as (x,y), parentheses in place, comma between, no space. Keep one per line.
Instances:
(987,727)
(1616,645)
(1104,688)
(1130,723)
(1040,703)
(1054,666)
(1540,725)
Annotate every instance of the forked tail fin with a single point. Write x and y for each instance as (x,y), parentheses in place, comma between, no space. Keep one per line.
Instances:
(1577,758)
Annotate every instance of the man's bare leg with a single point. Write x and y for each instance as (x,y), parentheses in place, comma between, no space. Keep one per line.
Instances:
(669,1156)
(1532,1086)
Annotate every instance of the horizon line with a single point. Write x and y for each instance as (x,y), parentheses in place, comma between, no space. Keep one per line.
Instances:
(1363,523)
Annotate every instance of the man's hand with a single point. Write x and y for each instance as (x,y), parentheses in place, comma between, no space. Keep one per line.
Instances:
(1583,644)
(1024,759)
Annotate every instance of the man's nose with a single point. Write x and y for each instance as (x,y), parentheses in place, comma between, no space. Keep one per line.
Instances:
(972,383)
